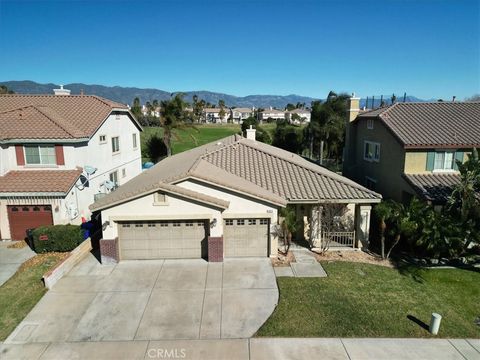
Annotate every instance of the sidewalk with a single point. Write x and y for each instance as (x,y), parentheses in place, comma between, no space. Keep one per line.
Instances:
(253,349)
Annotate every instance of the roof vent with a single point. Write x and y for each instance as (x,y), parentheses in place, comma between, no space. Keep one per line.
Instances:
(61,91)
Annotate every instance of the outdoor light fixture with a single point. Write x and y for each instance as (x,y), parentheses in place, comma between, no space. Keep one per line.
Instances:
(213,223)
(105,224)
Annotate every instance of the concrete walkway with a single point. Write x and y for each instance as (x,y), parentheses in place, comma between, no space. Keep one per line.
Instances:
(11,259)
(253,349)
(306,265)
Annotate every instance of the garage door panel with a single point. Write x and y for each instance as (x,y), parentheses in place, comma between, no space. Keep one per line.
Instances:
(161,239)
(246,237)
(23,217)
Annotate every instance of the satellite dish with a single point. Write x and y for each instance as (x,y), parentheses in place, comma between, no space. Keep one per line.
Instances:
(82,182)
(109,184)
(90,169)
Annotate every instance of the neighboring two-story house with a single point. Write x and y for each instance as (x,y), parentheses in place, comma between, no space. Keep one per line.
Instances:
(212,115)
(57,154)
(298,116)
(239,114)
(409,149)
(272,114)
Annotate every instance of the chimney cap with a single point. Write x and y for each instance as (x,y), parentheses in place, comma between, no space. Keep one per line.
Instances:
(61,91)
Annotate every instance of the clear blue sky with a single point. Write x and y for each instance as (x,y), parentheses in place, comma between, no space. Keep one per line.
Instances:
(428,48)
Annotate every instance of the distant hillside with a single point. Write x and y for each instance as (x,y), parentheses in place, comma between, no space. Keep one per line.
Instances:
(126,95)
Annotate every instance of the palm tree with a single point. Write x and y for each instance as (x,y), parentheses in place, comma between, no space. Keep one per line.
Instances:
(172,118)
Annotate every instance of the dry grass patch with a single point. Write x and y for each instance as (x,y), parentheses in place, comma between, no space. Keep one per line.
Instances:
(354,256)
(283,260)
(18,245)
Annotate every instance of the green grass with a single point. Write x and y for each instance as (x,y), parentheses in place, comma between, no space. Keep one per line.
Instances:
(189,138)
(23,290)
(362,300)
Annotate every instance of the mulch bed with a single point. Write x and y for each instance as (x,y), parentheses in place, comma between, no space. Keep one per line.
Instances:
(354,256)
(283,260)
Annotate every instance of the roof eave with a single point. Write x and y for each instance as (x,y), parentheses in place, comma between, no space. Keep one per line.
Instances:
(335,201)
(43,141)
(440,146)
(32,194)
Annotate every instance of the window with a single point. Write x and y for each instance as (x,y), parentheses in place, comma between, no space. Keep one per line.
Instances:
(176,224)
(370,124)
(263,221)
(240,222)
(252,222)
(126,225)
(115,144)
(189,223)
(40,155)
(134,138)
(151,224)
(371,151)
(229,222)
(113,176)
(164,224)
(370,183)
(102,139)
(124,172)
(138,225)
(444,160)
(200,223)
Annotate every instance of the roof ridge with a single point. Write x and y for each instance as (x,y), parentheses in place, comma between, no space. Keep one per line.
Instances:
(329,173)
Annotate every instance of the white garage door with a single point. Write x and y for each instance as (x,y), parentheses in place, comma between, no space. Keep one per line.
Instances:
(161,239)
(246,237)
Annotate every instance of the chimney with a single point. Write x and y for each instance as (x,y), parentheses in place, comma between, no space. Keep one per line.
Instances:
(251,133)
(61,91)
(353,106)
(453,98)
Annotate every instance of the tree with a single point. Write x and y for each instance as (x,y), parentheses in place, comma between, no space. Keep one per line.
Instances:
(464,202)
(395,221)
(288,137)
(475,97)
(172,118)
(136,108)
(222,112)
(325,133)
(288,226)
(334,218)
(290,107)
(155,149)
(5,90)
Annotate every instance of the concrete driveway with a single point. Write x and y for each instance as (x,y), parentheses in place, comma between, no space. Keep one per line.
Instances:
(11,259)
(153,300)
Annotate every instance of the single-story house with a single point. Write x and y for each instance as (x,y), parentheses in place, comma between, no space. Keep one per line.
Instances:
(222,199)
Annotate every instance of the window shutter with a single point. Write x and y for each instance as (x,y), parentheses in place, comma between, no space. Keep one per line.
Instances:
(458,157)
(19,155)
(430,160)
(59,155)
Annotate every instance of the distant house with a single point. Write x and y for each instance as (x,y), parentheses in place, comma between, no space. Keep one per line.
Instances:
(302,116)
(239,114)
(212,115)
(149,112)
(409,149)
(272,114)
(58,153)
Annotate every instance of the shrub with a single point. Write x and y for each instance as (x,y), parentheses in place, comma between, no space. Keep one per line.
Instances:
(61,238)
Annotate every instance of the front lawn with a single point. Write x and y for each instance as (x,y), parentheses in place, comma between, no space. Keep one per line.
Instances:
(363,300)
(23,290)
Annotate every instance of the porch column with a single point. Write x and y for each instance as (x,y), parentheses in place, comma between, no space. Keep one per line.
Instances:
(316,226)
(362,225)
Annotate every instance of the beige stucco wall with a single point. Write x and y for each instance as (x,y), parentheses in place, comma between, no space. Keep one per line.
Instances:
(415,162)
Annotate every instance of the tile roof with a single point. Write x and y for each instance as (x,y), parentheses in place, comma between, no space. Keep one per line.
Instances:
(250,167)
(39,181)
(432,124)
(240,109)
(272,111)
(53,116)
(433,187)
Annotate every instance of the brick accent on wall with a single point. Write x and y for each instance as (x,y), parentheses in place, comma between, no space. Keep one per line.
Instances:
(215,249)
(109,251)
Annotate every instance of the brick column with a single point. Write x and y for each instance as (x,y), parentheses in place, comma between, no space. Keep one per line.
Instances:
(215,249)
(109,251)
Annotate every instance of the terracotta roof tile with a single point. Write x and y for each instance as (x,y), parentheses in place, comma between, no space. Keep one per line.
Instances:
(39,181)
(53,116)
(432,124)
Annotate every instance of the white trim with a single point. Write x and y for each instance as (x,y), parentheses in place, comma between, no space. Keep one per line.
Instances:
(264,215)
(118,218)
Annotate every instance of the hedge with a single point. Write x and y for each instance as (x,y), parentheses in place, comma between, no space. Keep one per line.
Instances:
(61,238)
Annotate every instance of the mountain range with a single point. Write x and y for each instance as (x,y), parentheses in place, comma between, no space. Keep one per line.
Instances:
(125,95)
